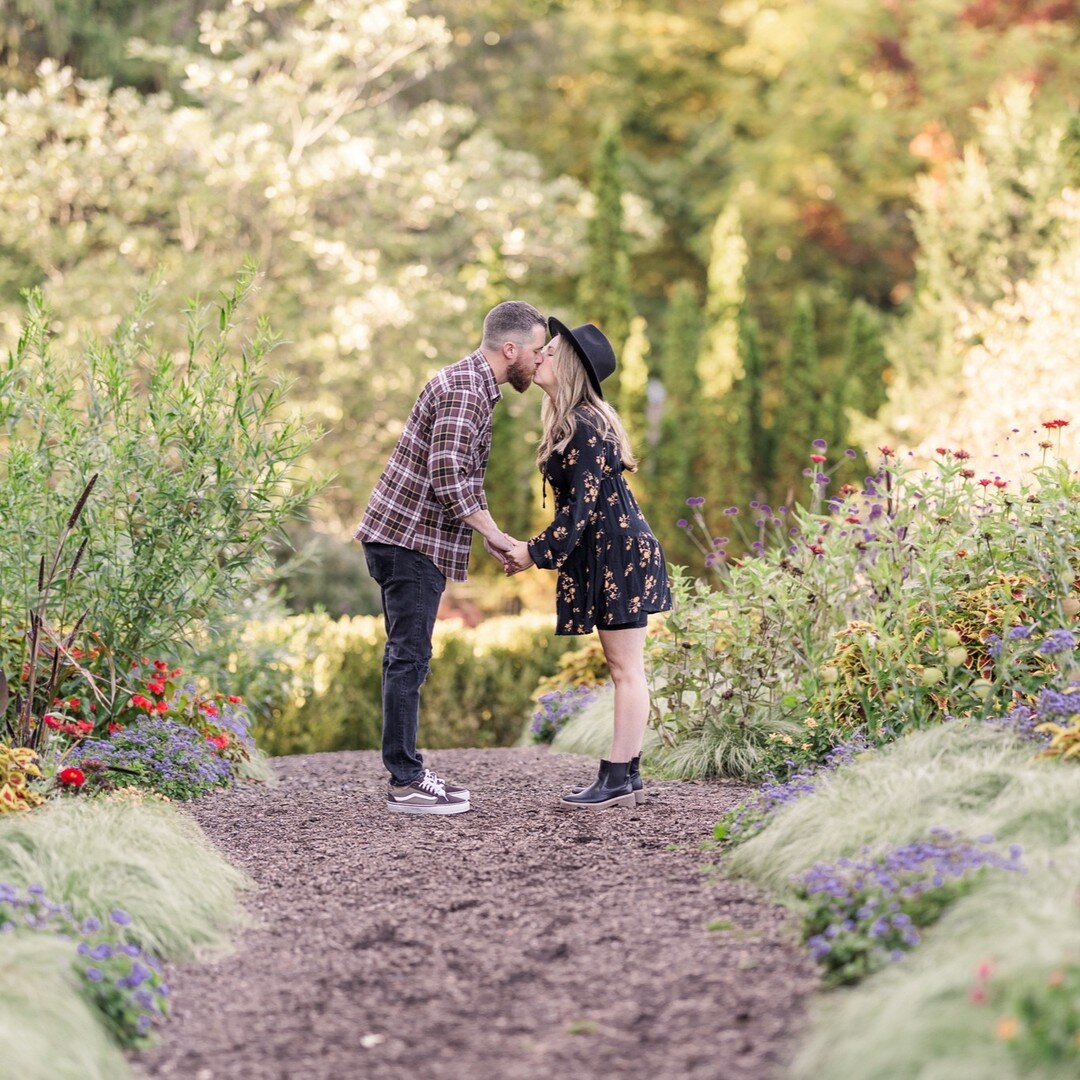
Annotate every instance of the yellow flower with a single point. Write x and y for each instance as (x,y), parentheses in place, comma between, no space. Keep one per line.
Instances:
(1007,1028)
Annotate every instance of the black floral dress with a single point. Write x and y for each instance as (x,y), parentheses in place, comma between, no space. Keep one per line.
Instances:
(611,568)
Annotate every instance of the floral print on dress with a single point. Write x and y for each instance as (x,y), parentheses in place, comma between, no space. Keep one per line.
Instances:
(611,566)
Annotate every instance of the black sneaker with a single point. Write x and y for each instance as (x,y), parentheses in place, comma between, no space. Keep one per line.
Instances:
(453,791)
(423,796)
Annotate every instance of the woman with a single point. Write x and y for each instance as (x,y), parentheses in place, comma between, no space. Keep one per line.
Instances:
(611,567)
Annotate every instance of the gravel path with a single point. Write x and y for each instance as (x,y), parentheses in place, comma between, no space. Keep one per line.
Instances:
(514,942)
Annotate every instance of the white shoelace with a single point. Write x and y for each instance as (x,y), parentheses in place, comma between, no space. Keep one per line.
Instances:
(432,783)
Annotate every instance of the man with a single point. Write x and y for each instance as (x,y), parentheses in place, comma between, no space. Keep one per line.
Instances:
(418,526)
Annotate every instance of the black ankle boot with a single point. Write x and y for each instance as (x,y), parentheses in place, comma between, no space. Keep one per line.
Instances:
(611,788)
(635,779)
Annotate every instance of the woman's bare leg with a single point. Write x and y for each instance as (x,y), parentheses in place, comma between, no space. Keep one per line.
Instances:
(625,653)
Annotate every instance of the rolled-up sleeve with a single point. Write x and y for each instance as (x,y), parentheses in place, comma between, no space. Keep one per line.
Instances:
(457,484)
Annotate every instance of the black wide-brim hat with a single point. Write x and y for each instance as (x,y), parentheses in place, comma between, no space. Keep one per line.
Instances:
(591,346)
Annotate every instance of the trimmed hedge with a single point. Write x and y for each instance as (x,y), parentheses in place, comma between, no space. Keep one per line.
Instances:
(318,683)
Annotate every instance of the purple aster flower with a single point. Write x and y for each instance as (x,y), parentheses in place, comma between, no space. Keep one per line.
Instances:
(1057,641)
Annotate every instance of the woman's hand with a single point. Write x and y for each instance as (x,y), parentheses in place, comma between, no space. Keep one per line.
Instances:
(518,558)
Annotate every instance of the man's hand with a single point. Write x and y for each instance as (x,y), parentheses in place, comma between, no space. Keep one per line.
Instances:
(498,545)
(518,558)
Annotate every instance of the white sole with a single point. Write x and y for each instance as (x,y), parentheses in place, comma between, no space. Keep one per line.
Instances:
(443,808)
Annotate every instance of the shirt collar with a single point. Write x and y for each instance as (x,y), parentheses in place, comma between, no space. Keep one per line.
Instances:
(480,363)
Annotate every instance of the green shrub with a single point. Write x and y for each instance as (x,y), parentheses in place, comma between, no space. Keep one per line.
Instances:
(873,611)
(196,470)
(328,673)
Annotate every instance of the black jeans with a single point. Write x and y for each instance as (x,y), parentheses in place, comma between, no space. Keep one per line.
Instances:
(412,586)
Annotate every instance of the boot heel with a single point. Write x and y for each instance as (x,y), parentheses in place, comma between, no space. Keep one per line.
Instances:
(626,800)
(639,797)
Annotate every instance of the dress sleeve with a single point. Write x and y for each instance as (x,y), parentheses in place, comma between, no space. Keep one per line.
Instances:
(582,463)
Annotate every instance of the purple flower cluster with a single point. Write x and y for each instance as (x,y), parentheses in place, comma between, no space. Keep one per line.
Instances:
(1050,706)
(749,818)
(173,759)
(556,709)
(119,978)
(863,913)
(1057,641)
(1052,644)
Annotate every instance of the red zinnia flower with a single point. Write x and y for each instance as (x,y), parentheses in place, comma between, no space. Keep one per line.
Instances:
(234,700)
(71,777)
(84,726)
(156,688)
(999,483)
(816,550)
(961,455)
(141,702)
(114,728)
(985,483)
(851,519)
(817,458)
(941,450)
(74,703)
(160,665)
(886,451)
(50,721)
(1051,424)
(162,706)
(210,710)
(967,474)
(220,741)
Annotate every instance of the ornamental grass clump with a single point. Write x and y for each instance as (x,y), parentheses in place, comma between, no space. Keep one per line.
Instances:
(863,913)
(119,978)
(144,858)
(48,1029)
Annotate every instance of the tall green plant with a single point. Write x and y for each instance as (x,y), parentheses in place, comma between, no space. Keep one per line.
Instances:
(801,408)
(197,467)
(672,475)
(604,291)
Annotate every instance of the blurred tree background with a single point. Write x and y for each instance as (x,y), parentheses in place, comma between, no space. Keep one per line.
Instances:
(796,218)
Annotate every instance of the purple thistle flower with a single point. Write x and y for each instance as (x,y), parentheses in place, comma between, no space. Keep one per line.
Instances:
(820,444)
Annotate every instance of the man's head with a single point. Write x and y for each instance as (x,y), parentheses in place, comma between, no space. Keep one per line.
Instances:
(514,337)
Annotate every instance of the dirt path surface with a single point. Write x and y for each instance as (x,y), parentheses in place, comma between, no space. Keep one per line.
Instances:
(514,942)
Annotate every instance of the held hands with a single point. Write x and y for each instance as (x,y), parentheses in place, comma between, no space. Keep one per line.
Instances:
(518,558)
(513,554)
(498,545)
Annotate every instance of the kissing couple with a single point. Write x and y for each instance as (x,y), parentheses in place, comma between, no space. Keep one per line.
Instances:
(417,533)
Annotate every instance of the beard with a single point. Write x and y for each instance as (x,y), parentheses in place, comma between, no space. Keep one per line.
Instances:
(520,375)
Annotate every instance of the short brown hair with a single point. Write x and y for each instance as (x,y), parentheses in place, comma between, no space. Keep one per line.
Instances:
(511,321)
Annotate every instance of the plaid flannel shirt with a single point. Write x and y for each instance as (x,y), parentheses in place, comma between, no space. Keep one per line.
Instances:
(435,475)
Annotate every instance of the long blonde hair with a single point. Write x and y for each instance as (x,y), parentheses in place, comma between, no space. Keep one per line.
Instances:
(572,389)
